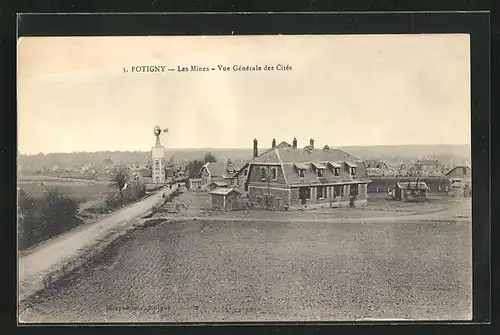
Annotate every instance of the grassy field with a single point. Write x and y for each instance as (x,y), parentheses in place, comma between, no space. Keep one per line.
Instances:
(198,204)
(204,271)
(80,190)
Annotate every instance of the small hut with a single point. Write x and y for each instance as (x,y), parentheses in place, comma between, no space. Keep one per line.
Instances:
(460,188)
(225,199)
(409,191)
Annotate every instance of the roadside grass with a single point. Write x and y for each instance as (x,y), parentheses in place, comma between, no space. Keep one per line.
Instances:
(81,191)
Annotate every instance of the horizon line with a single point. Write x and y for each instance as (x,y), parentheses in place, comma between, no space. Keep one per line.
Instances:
(238,148)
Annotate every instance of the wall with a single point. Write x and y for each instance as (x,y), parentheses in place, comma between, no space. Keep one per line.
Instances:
(255,177)
(329,199)
(255,191)
(217,202)
(205,177)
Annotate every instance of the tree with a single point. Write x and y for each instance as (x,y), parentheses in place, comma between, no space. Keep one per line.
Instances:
(119,177)
(209,158)
(193,168)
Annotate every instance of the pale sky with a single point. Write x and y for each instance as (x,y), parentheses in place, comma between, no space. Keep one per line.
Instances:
(342,90)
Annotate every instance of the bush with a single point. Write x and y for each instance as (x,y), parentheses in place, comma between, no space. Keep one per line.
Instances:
(41,218)
(117,200)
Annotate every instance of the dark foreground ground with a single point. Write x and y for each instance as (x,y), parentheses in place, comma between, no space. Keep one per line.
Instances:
(200,271)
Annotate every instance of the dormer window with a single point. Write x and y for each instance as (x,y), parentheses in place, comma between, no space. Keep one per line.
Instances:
(336,171)
(302,173)
(263,174)
(320,173)
(353,171)
(274,173)
(245,172)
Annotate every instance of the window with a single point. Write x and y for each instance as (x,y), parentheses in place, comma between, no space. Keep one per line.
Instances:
(354,190)
(321,192)
(302,173)
(320,173)
(338,191)
(353,171)
(263,173)
(274,173)
(336,171)
(245,172)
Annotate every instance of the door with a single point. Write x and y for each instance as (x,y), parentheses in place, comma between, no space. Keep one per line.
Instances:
(304,195)
(234,204)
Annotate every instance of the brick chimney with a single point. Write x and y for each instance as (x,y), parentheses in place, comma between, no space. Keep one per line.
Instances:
(294,143)
(274,143)
(311,143)
(255,148)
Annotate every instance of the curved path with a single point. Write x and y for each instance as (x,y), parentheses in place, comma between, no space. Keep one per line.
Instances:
(49,256)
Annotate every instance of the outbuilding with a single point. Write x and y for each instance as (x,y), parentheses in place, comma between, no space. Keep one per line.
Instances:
(225,199)
(409,191)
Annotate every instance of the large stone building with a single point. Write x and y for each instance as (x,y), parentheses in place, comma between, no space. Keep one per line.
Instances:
(288,177)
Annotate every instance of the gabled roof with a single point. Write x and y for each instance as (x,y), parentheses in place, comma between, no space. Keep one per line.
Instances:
(224,191)
(412,185)
(216,169)
(458,167)
(219,183)
(318,165)
(335,165)
(301,166)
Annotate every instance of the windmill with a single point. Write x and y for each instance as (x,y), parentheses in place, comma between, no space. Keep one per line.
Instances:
(157,132)
(158,157)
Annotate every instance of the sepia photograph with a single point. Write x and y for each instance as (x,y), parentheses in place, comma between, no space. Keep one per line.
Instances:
(252,178)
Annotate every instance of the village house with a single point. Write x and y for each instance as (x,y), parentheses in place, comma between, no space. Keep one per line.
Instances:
(225,199)
(288,177)
(376,168)
(409,191)
(220,172)
(460,181)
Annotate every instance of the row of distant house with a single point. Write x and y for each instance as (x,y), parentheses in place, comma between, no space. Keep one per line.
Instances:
(286,176)
(422,168)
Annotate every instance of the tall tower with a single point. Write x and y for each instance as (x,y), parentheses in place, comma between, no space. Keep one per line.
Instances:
(158,158)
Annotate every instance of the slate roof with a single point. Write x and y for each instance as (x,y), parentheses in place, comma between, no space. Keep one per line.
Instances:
(224,191)
(292,159)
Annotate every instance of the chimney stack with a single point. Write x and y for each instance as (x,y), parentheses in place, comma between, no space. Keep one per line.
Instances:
(255,148)
(274,143)
(311,143)
(294,143)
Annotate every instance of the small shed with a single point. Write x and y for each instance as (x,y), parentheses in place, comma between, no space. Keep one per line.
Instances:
(217,184)
(460,189)
(225,199)
(409,191)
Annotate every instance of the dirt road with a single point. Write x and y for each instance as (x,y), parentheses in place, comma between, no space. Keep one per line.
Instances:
(216,271)
(48,256)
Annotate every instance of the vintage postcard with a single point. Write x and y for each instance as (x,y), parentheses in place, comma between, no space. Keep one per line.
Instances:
(244,178)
